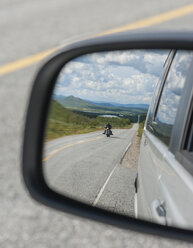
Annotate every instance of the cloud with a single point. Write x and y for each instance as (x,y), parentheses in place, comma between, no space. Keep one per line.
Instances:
(174,86)
(121,76)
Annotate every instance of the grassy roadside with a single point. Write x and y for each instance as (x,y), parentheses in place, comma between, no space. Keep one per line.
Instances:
(57,130)
(63,122)
(140,129)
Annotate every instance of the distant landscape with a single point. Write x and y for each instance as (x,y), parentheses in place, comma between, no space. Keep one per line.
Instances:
(72,115)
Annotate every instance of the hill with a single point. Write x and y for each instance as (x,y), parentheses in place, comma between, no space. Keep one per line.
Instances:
(114,104)
(63,121)
(74,102)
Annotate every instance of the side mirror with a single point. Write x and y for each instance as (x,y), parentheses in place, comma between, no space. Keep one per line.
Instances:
(84,152)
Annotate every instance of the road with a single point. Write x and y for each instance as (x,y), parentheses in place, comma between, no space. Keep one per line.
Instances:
(88,167)
(29,27)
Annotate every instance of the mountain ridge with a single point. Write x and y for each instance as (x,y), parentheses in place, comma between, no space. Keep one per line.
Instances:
(76,102)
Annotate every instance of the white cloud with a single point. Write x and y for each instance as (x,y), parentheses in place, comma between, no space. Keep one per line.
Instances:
(123,76)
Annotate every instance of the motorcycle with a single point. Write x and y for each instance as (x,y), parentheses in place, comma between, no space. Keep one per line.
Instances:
(108,132)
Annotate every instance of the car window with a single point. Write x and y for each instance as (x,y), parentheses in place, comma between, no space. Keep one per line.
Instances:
(189,135)
(185,153)
(152,106)
(171,94)
(191,139)
(156,92)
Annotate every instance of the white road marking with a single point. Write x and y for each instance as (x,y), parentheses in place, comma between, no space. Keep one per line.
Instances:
(105,184)
(103,187)
(127,148)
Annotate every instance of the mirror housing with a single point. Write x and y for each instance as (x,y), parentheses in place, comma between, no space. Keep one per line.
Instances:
(36,124)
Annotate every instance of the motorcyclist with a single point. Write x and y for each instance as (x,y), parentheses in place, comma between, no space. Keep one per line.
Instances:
(108,126)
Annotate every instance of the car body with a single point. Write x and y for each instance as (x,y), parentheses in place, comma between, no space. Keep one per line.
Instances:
(164,183)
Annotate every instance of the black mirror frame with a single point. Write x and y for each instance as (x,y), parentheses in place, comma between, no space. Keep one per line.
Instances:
(36,122)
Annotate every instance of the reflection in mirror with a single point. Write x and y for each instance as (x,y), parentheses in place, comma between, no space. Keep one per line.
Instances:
(94,131)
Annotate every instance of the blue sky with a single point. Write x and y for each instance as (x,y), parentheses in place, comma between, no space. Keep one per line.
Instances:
(120,76)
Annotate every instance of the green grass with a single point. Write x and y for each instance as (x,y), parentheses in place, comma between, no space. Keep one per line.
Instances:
(62,121)
(140,129)
(56,130)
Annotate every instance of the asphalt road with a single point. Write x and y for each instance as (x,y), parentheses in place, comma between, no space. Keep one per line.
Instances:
(88,167)
(29,27)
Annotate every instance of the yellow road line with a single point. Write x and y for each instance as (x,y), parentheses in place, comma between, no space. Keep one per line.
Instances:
(22,63)
(158,19)
(147,22)
(66,146)
(73,144)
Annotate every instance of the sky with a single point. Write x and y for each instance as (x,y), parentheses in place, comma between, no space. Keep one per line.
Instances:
(126,77)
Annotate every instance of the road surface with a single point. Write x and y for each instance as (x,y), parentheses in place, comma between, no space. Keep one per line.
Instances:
(88,167)
(29,27)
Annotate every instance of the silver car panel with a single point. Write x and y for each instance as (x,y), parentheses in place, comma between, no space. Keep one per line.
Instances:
(165,185)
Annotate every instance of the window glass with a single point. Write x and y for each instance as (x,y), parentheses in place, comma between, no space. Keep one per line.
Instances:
(155,96)
(152,106)
(171,95)
(191,140)
(189,136)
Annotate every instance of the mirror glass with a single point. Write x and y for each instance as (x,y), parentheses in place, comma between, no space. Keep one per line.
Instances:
(96,148)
